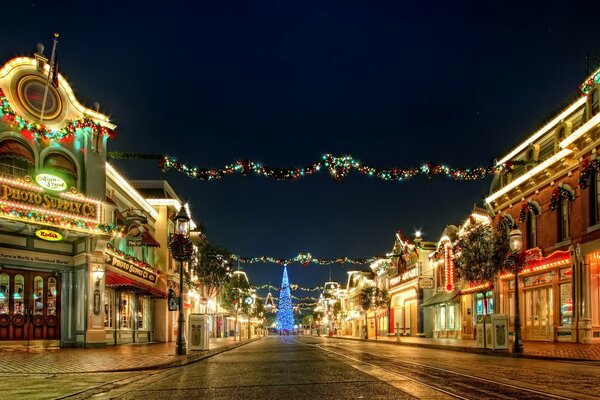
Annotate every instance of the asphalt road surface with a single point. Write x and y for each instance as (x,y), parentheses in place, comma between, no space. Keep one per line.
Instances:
(292,367)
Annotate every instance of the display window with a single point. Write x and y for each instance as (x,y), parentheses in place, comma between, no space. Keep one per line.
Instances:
(127,305)
(594,266)
(109,308)
(4,293)
(566,304)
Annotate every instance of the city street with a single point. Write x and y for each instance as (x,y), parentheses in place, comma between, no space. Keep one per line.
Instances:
(311,367)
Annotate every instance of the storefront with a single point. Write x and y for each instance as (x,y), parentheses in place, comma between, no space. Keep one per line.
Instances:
(546,296)
(446,314)
(129,293)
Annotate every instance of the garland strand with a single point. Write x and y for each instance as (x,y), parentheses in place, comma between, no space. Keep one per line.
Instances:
(338,167)
(34,131)
(307,258)
(293,286)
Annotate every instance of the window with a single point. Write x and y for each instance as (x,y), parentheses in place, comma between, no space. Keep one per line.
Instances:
(595,199)
(4,293)
(531,230)
(563,219)
(63,167)
(109,308)
(566,304)
(595,102)
(16,161)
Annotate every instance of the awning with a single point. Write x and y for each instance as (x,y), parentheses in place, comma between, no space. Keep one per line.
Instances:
(148,240)
(61,163)
(440,298)
(129,285)
(14,149)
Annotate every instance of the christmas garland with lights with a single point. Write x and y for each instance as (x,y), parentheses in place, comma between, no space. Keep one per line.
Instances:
(306,258)
(293,286)
(587,169)
(587,86)
(560,191)
(33,216)
(338,167)
(34,131)
(528,207)
(181,247)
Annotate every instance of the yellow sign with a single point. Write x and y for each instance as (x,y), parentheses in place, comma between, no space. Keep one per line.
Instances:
(47,234)
(25,197)
(51,182)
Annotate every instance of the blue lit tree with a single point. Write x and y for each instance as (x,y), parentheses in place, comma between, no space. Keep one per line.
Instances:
(285,314)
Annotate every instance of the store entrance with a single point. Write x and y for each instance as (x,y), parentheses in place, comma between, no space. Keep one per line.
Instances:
(538,314)
(29,305)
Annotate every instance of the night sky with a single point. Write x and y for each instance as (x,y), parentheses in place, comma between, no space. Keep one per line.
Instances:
(392,84)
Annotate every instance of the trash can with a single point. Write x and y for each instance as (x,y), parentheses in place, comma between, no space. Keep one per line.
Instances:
(198,332)
(499,328)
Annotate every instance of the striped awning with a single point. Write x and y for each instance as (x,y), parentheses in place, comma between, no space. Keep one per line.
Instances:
(14,149)
(125,284)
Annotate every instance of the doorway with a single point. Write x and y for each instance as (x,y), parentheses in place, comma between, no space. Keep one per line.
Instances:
(538,314)
(29,305)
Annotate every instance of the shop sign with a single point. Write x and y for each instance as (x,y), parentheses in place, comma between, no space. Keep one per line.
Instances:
(14,195)
(426,282)
(47,234)
(135,227)
(51,182)
(130,268)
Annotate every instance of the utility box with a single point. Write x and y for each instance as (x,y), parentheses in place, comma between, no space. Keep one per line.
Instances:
(479,330)
(499,331)
(198,332)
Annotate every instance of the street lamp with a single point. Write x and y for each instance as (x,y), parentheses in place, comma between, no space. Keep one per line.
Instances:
(516,243)
(181,249)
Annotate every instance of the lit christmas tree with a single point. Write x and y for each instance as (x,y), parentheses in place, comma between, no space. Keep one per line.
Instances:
(285,316)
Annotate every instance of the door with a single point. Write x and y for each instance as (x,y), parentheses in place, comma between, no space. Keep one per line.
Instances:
(538,314)
(29,305)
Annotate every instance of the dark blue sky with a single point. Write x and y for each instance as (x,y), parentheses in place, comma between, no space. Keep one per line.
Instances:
(393,84)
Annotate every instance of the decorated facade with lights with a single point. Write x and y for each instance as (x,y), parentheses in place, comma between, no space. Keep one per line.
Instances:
(54,225)
(553,198)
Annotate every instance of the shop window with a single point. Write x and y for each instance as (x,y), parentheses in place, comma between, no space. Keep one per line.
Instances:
(442,317)
(451,322)
(38,295)
(51,297)
(18,294)
(4,293)
(16,161)
(563,219)
(143,313)
(566,304)
(63,167)
(109,308)
(594,266)
(531,231)
(595,199)
(126,311)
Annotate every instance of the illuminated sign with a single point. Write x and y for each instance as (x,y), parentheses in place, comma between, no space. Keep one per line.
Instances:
(130,268)
(13,195)
(48,235)
(51,182)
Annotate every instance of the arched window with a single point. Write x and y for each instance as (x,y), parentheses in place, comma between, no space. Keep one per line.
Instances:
(531,230)
(595,199)
(60,165)
(595,102)
(16,160)
(563,219)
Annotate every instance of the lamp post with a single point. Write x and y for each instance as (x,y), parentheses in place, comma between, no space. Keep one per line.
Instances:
(516,243)
(181,249)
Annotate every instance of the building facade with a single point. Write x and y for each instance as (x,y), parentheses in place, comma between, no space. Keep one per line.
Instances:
(552,197)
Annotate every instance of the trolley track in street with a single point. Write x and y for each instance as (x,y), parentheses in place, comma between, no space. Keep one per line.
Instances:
(452,383)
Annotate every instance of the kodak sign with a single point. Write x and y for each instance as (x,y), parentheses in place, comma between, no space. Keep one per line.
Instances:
(47,201)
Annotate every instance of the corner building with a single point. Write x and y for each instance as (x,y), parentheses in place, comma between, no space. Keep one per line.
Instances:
(53,222)
(553,197)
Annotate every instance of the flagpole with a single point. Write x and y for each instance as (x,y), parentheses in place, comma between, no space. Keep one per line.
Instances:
(48,78)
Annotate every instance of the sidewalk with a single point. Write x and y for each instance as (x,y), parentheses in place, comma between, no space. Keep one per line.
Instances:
(128,357)
(532,349)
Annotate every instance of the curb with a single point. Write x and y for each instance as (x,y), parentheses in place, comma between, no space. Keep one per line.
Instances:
(184,360)
(463,349)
